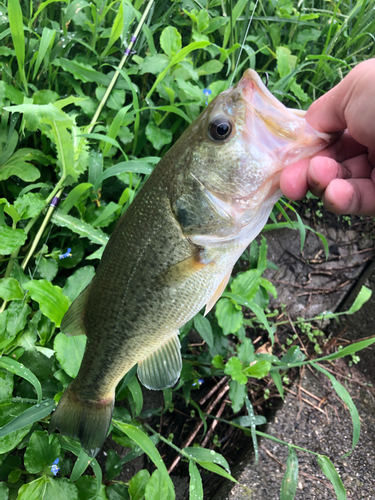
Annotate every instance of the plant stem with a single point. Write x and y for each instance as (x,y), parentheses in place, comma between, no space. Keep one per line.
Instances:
(122,62)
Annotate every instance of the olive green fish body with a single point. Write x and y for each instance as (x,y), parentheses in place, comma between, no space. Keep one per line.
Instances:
(173,250)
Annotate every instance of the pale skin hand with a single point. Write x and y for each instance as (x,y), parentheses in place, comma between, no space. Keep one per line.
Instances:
(343,175)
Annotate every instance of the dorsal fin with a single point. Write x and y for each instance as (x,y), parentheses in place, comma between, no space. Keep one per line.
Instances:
(163,367)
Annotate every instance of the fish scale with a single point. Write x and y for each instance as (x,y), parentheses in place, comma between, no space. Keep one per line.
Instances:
(173,250)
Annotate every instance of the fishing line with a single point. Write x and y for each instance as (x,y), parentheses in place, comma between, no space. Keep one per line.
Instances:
(239,55)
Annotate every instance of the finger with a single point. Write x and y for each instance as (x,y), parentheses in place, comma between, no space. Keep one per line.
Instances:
(293,180)
(344,147)
(323,170)
(354,196)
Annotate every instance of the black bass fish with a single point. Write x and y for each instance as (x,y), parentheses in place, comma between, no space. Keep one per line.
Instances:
(173,250)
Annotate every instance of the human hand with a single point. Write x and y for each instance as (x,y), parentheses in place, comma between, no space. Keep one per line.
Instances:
(343,174)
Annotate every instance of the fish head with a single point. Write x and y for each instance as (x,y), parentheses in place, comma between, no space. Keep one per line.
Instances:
(237,149)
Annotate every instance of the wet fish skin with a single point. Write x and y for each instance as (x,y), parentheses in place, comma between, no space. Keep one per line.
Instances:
(175,247)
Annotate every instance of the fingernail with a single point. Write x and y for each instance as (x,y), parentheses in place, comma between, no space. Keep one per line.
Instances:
(312,181)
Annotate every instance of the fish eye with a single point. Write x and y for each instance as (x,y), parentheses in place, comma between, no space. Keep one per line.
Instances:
(220,128)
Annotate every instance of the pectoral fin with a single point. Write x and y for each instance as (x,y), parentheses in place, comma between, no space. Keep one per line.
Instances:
(183,270)
(216,296)
(72,323)
(163,367)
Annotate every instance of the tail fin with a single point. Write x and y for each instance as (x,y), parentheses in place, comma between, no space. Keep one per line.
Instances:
(83,419)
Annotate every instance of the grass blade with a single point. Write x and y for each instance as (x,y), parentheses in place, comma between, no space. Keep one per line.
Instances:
(329,470)
(82,462)
(250,411)
(19,369)
(148,447)
(346,398)
(46,41)
(18,37)
(196,486)
(31,415)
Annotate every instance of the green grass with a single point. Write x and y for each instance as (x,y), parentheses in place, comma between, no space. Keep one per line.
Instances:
(81,121)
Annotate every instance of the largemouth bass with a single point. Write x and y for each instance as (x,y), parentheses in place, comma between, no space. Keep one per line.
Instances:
(173,250)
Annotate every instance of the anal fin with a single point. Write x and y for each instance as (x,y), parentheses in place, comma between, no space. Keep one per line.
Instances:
(163,367)
(216,296)
(72,323)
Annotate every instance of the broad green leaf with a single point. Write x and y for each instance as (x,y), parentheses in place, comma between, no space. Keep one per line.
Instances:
(329,470)
(158,137)
(8,412)
(19,369)
(344,395)
(30,205)
(170,41)
(246,351)
(229,317)
(259,369)
(59,489)
(137,485)
(19,168)
(117,491)
(234,368)
(237,394)
(79,227)
(148,447)
(50,298)
(78,281)
(202,454)
(11,239)
(203,327)
(10,289)
(246,284)
(4,491)
(41,451)
(210,67)
(31,415)
(157,488)
(290,480)
(195,486)
(112,465)
(47,268)
(203,20)
(69,352)
(88,488)
(217,362)
(363,296)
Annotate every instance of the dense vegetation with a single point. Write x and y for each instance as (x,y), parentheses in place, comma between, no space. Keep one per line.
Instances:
(82,122)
